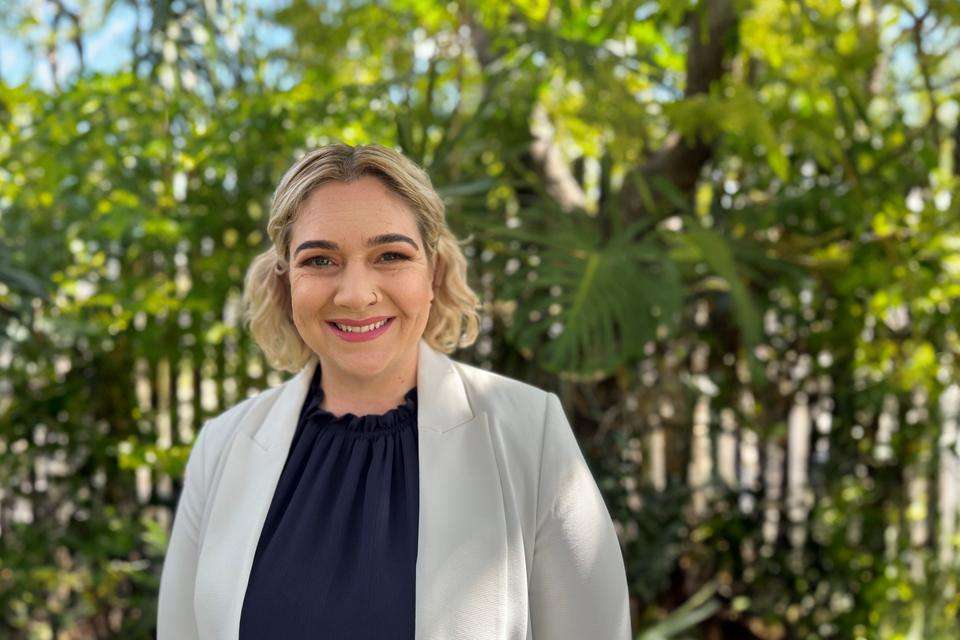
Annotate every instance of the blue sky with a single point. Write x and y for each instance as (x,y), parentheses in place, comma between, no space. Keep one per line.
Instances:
(106,49)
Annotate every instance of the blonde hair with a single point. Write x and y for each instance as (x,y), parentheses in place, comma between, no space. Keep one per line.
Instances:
(453,321)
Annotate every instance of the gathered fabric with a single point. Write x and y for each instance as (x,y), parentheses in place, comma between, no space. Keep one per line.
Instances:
(337,553)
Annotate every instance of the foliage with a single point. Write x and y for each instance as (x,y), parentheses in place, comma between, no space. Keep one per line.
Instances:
(747,204)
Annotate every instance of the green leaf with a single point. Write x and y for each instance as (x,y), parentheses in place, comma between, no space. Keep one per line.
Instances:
(716,252)
(613,298)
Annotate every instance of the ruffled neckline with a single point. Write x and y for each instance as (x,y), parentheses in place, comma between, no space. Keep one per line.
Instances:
(403,415)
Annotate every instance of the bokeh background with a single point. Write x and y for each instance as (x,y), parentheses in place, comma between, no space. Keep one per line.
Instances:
(725,232)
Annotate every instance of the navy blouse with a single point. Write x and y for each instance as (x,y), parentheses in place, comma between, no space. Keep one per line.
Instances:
(337,553)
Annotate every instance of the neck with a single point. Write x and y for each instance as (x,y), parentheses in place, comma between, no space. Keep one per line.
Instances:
(343,393)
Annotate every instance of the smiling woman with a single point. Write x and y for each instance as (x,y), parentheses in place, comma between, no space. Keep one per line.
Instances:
(386,491)
(389,188)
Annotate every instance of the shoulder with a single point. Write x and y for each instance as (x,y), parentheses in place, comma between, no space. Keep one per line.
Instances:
(510,401)
(227,420)
(531,435)
(218,432)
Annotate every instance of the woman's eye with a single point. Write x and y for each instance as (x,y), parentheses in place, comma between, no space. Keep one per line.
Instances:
(311,261)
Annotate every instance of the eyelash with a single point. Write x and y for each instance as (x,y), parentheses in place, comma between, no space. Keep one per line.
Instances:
(309,261)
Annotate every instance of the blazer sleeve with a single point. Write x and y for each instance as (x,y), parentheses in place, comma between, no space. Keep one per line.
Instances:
(176,619)
(578,583)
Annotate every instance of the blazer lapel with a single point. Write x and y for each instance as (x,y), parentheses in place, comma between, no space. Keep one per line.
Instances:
(240,503)
(461,565)
(462,546)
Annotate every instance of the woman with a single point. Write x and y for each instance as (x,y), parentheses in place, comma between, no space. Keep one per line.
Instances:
(385,491)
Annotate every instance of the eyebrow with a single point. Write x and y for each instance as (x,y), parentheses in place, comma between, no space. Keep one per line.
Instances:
(384,238)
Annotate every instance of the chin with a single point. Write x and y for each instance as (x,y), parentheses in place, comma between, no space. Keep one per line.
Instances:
(363,364)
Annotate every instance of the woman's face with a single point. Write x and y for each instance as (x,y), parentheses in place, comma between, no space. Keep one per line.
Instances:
(344,268)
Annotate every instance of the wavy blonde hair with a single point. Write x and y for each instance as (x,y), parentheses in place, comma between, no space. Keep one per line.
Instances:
(453,321)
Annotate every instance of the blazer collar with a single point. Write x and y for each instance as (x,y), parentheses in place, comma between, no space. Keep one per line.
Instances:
(442,401)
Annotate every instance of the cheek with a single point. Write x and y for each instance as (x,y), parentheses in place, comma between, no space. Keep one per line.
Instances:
(306,294)
(414,296)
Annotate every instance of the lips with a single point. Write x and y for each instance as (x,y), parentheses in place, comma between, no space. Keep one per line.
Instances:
(356,336)
(359,323)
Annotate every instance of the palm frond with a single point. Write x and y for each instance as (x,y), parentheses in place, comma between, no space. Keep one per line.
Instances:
(19,280)
(698,608)
(611,297)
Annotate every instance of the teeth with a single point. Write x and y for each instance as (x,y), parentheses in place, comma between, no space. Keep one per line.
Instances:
(369,327)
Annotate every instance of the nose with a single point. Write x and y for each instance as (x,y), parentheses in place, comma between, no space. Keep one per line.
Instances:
(356,289)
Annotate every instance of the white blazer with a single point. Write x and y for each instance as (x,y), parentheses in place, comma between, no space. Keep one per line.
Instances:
(515,542)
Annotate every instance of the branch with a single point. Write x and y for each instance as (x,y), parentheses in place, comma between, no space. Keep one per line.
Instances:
(77,35)
(548,161)
(916,32)
(679,161)
(549,164)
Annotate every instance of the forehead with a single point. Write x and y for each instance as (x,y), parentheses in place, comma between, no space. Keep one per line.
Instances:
(353,211)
